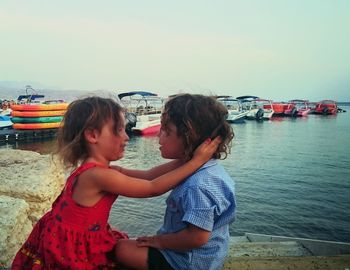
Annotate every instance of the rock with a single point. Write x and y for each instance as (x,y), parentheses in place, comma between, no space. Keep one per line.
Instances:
(15,227)
(30,176)
(29,183)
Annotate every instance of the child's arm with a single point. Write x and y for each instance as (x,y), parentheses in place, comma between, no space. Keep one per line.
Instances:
(189,238)
(151,173)
(115,182)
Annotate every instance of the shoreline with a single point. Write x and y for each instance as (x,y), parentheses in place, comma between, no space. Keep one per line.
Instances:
(24,199)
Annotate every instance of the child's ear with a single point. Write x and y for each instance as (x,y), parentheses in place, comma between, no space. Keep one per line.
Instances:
(91,135)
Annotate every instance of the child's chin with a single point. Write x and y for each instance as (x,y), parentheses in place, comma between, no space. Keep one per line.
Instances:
(120,156)
(164,155)
(168,157)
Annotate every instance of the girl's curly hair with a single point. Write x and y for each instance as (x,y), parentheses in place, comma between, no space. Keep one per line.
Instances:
(198,117)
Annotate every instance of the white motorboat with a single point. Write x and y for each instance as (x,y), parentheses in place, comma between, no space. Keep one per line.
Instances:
(147,107)
(236,114)
(258,109)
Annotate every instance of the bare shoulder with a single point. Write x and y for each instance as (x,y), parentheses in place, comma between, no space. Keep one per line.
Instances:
(94,175)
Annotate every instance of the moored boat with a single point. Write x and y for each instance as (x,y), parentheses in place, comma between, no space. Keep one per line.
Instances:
(279,108)
(311,106)
(49,119)
(147,125)
(32,111)
(36,125)
(299,107)
(38,113)
(326,107)
(40,107)
(260,109)
(236,114)
(147,107)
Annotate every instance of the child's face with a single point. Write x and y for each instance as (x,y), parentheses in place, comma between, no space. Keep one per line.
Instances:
(113,142)
(171,145)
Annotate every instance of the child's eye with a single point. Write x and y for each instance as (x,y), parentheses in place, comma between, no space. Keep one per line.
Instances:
(164,131)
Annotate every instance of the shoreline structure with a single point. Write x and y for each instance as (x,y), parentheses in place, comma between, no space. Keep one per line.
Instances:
(30,182)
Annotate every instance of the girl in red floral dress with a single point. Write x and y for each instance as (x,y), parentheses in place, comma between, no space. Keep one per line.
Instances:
(75,233)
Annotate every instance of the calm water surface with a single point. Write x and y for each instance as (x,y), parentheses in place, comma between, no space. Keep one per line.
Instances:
(292,178)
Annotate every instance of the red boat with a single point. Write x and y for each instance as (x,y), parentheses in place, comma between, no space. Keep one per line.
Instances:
(326,107)
(312,107)
(280,108)
(297,107)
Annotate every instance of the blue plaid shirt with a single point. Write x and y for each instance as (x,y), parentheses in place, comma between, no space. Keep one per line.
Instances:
(206,199)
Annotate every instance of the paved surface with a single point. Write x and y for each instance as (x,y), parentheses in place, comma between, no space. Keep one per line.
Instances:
(340,262)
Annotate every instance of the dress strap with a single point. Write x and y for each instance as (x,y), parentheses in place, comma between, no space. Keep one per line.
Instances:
(71,179)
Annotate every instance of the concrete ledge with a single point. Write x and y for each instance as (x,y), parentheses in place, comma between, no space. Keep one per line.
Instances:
(341,262)
(314,246)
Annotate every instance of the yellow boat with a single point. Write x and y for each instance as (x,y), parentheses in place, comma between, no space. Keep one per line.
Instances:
(39,107)
(37,113)
(36,125)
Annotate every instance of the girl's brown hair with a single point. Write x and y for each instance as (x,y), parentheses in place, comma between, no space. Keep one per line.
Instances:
(87,113)
(198,117)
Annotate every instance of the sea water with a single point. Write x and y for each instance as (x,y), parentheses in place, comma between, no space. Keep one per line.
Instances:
(292,178)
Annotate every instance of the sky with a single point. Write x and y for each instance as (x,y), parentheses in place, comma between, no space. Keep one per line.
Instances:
(275,49)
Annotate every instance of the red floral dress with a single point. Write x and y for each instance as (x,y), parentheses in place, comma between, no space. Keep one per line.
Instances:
(71,236)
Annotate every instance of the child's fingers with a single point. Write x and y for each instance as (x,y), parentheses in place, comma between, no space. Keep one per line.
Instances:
(217,140)
(142,238)
(143,244)
(145,241)
(207,148)
(142,241)
(213,144)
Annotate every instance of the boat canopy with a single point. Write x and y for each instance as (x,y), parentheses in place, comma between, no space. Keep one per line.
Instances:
(141,93)
(29,97)
(227,98)
(247,97)
(223,96)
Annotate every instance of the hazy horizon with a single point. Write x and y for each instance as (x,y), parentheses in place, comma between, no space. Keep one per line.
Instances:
(278,50)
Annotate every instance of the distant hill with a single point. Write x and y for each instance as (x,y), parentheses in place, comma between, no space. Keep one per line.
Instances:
(343,103)
(11,91)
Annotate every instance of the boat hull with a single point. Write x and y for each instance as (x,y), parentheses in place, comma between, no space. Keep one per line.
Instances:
(147,125)
(50,119)
(39,107)
(36,125)
(38,113)
(236,117)
(304,112)
(147,131)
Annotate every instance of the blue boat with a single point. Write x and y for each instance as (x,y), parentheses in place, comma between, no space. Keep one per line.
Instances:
(5,122)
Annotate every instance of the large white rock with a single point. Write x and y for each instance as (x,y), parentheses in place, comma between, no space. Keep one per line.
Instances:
(30,176)
(15,226)
(29,183)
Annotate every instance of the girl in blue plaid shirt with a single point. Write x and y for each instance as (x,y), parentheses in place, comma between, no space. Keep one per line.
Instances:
(195,232)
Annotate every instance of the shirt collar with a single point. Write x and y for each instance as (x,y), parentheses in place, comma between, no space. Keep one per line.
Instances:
(209,163)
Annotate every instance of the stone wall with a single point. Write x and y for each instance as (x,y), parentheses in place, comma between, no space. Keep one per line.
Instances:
(29,183)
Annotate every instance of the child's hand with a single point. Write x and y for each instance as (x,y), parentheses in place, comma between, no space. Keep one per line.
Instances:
(205,151)
(148,241)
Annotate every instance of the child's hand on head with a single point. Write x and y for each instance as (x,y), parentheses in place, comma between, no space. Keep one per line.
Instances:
(205,151)
(149,241)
